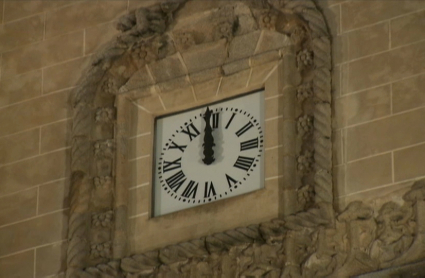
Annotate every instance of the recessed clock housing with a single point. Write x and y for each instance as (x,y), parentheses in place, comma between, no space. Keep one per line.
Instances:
(208,153)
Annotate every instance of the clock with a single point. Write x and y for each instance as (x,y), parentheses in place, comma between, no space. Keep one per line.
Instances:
(208,153)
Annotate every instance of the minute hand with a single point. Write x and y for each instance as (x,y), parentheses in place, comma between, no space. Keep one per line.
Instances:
(208,140)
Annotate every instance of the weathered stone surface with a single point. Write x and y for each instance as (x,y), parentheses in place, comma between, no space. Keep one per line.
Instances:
(183,97)
(151,103)
(19,206)
(363,106)
(236,66)
(386,67)
(19,146)
(32,113)
(53,196)
(207,89)
(204,76)
(408,94)
(408,163)
(18,265)
(205,56)
(373,138)
(139,200)
(98,35)
(356,14)
(20,9)
(140,146)
(140,79)
(55,136)
(243,46)
(63,75)
(34,171)
(407,29)
(33,232)
(20,87)
(270,40)
(273,128)
(22,32)
(167,68)
(42,54)
(377,37)
(81,15)
(368,173)
(51,259)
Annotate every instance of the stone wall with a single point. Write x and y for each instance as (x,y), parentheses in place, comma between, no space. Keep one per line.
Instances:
(379,105)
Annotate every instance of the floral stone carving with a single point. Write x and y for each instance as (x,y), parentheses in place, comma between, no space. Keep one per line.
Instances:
(310,239)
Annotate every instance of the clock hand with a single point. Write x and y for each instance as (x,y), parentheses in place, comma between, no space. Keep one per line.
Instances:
(208,140)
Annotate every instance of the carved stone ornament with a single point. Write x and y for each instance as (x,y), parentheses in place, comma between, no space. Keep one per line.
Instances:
(158,53)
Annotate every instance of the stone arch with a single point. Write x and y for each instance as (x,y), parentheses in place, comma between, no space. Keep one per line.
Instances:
(159,50)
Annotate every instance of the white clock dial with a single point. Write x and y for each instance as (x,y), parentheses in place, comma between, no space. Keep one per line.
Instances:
(209,153)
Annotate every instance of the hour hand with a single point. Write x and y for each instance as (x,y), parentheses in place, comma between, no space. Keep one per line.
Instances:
(208,140)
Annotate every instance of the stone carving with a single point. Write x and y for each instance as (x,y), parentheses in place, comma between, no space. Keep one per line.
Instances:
(304,59)
(104,148)
(305,161)
(105,115)
(103,219)
(309,242)
(184,40)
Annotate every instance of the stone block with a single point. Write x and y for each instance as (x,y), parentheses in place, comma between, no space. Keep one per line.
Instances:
(409,163)
(144,122)
(338,147)
(98,35)
(265,58)
(338,179)
(63,75)
(19,146)
(55,136)
(333,18)
(272,133)
(51,259)
(271,40)
(21,32)
(34,232)
(20,9)
(20,87)
(140,146)
(273,162)
(174,84)
(141,171)
(206,75)
(139,79)
(243,46)
(387,134)
(407,29)
(19,265)
(236,66)
(133,4)
(1,11)
(368,173)
(18,206)
(153,104)
(273,106)
(206,90)
(34,171)
(261,73)
(234,83)
(167,68)
(139,200)
(356,14)
(362,107)
(53,196)
(35,112)
(368,40)
(82,15)
(42,54)
(386,67)
(183,98)
(408,93)
(205,56)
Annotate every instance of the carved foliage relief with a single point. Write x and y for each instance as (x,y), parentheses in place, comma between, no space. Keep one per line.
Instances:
(309,239)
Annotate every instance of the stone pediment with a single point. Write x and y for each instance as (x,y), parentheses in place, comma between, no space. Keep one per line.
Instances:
(214,48)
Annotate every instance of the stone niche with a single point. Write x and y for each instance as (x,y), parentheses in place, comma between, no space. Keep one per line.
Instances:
(180,54)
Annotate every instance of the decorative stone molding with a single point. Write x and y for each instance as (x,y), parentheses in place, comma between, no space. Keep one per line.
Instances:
(155,54)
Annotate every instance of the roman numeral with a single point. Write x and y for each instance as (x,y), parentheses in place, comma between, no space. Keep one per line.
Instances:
(191,131)
(175,146)
(190,189)
(244,129)
(215,118)
(244,162)
(250,144)
(230,180)
(209,189)
(171,165)
(230,120)
(176,180)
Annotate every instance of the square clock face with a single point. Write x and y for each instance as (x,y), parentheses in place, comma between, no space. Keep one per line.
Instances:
(208,153)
